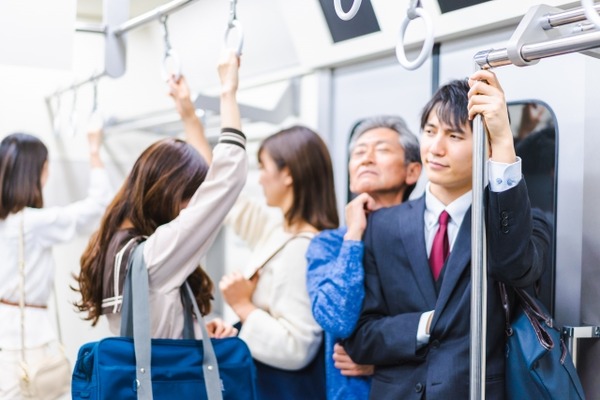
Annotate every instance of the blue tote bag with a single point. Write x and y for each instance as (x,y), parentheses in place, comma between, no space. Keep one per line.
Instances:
(538,364)
(143,368)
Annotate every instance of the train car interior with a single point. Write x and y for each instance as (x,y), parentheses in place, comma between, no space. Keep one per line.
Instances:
(66,62)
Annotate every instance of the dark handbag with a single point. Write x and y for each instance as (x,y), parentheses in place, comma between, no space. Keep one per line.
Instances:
(143,368)
(538,364)
(306,383)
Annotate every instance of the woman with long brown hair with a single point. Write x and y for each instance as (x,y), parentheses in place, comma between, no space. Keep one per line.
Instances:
(28,232)
(174,201)
(270,296)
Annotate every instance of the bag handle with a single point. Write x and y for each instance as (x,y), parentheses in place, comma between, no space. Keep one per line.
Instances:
(22,282)
(506,307)
(265,262)
(532,311)
(22,298)
(135,296)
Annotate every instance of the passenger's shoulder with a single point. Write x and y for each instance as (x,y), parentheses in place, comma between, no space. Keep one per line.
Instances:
(329,236)
(405,208)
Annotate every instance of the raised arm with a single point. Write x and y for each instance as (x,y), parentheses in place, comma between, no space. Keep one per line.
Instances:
(229,64)
(194,130)
(175,249)
(518,243)
(94,143)
(61,224)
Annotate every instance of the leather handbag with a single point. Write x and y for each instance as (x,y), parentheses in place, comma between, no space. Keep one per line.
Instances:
(49,378)
(143,368)
(538,364)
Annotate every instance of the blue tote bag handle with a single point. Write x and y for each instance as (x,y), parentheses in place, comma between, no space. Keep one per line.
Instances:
(137,325)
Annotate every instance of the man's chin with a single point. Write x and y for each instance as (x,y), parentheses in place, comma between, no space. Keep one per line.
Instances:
(364,187)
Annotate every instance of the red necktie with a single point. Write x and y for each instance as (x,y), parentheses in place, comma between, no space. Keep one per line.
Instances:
(440,247)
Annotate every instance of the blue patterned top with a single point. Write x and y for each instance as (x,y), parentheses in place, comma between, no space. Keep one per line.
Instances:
(335,283)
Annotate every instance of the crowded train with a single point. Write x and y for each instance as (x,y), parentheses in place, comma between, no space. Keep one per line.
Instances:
(333,199)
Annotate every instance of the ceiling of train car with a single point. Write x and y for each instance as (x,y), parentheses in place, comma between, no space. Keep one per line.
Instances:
(268,48)
(287,39)
(92,9)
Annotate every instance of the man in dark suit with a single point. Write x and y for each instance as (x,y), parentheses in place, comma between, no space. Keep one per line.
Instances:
(415,322)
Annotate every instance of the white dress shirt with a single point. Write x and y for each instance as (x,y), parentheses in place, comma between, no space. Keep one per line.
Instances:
(501,177)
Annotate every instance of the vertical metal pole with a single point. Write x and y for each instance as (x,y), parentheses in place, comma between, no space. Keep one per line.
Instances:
(478,264)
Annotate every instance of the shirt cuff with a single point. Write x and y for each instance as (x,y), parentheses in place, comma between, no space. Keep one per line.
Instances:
(422,335)
(233,136)
(504,176)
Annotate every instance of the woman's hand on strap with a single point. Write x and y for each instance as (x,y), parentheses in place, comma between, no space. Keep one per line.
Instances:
(194,130)
(94,137)
(180,93)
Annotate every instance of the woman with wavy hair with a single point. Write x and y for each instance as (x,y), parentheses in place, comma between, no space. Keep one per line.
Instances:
(174,201)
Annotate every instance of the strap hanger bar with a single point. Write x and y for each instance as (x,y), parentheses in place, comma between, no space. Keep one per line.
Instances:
(532,40)
(151,15)
(90,28)
(566,17)
(76,85)
(536,51)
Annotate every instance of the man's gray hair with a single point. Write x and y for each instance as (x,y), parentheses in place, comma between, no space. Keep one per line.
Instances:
(407,139)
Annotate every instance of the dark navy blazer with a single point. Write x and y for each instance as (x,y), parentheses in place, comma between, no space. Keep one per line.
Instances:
(399,288)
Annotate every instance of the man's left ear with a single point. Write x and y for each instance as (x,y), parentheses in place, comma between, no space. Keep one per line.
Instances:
(413,172)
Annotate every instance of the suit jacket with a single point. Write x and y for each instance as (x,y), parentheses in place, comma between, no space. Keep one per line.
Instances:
(399,288)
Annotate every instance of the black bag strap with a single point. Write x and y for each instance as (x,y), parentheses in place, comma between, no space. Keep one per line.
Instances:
(137,324)
(505,306)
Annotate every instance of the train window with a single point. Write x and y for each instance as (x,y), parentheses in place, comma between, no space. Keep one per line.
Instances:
(534,128)
(536,141)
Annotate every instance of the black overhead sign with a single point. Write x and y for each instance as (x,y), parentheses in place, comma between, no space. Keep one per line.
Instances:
(451,5)
(363,23)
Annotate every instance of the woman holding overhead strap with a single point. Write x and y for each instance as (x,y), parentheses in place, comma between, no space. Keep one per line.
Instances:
(174,201)
(273,304)
(25,222)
